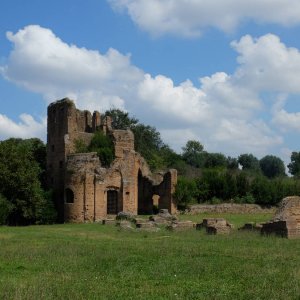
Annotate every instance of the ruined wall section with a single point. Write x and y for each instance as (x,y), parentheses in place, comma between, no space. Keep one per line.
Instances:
(57,129)
(165,191)
(81,185)
(123,142)
(286,221)
(65,124)
(289,208)
(80,180)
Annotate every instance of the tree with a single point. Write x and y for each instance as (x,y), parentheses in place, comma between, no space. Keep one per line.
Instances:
(294,165)
(249,162)
(5,210)
(243,184)
(272,166)
(214,160)
(193,153)
(21,166)
(232,163)
(186,191)
(148,143)
(262,190)
(121,119)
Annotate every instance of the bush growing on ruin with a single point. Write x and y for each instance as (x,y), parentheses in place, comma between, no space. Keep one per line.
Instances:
(103,145)
(121,119)
(80,146)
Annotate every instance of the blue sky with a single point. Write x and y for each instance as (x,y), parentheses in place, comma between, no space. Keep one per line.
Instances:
(224,72)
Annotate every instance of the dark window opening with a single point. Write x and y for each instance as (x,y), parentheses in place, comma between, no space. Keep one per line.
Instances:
(112,202)
(69,196)
(52,148)
(61,164)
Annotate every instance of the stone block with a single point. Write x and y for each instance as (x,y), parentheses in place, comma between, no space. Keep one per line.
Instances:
(181,225)
(145,224)
(217,229)
(109,222)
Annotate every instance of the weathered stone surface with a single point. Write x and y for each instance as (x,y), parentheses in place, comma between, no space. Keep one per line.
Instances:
(122,215)
(251,227)
(84,190)
(217,229)
(181,225)
(213,222)
(228,208)
(126,225)
(288,208)
(159,220)
(215,226)
(288,228)
(145,224)
(109,222)
(163,217)
(286,222)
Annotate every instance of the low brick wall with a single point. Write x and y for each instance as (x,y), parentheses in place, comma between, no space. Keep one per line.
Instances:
(231,208)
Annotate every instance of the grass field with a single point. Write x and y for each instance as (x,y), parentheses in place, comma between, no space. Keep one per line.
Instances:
(92,261)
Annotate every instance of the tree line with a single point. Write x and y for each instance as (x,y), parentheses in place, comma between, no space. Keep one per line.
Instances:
(206,177)
(203,176)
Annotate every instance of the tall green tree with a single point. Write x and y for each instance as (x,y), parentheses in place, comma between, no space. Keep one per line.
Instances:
(121,119)
(232,163)
(147,140)
(215,160)
(21,166)
(186,192)
(272,166)
(249,162)
(294,165)
(193,153)
(148,143)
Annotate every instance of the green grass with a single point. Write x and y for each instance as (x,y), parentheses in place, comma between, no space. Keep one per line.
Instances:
(91,261)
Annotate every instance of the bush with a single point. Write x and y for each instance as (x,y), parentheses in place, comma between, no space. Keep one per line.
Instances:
(80,146)
(186,192)
(103,145)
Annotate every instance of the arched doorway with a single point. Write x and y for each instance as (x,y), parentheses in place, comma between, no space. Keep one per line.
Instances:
(69,196)
(145,201)
(112,202)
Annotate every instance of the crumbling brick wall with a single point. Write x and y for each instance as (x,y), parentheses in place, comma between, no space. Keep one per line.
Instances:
(84,190)
(286,222)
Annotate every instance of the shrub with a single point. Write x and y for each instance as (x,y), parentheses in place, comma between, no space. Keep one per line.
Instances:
(80,146)
(103,145)
(186,192)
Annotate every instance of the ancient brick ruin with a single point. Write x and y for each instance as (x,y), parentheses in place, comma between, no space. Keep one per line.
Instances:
(286,222)
(84,190)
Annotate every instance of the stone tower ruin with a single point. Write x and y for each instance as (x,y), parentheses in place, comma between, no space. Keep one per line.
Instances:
(84,190)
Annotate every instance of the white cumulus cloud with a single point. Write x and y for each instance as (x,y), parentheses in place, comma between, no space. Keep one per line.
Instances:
(190,17)
(43,63)
(223,110)
(27,127)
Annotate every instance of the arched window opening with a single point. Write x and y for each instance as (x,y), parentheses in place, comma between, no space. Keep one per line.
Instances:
(69,196)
